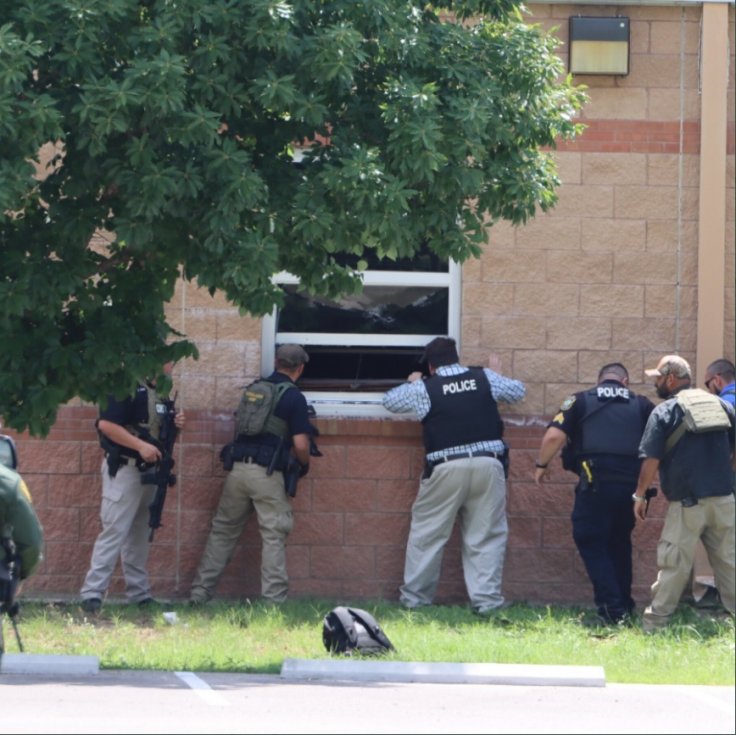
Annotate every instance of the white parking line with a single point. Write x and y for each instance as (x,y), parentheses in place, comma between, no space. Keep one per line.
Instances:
(202,688)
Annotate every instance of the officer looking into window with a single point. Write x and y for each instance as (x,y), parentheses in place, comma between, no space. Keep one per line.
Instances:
(601,428)
(464,474)
(256,482)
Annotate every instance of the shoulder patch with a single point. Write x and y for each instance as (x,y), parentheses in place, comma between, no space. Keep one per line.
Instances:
(567,403)
(24,489)
(559,418)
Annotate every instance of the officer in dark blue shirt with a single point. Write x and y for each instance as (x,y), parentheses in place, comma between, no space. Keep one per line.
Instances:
(256,483)
(128,430)
(600,431)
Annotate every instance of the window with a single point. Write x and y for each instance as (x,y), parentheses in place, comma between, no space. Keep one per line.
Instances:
(363,344)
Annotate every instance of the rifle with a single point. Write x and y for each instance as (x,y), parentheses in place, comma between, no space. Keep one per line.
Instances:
(9,581)
(161,475)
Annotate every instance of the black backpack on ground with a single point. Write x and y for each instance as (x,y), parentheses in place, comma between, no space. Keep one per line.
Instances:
(349,629)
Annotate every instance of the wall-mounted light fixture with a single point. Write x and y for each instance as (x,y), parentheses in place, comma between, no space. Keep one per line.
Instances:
(599,45)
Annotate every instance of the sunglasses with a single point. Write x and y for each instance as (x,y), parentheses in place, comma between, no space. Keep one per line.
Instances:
(710,380)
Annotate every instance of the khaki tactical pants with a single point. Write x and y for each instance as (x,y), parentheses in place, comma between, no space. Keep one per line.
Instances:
(474,491)
(124,516)
(712,520)
(248,488)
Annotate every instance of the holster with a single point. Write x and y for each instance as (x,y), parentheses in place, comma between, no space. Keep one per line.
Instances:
(261,454)
(226,457)
(587,477)
(113,463)
(428,469)
(291,477)
(505,461)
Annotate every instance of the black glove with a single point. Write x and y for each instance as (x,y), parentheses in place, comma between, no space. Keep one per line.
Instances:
(303,469)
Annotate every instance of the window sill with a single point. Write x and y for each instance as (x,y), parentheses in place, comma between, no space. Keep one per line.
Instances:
(352,405)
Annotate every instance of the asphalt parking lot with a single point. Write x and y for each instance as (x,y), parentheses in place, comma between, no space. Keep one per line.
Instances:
(191,702)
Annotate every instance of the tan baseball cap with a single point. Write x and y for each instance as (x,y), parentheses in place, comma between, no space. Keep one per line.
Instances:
(671,365)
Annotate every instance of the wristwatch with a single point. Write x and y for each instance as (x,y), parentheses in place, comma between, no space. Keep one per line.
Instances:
(540,465)
(638,498)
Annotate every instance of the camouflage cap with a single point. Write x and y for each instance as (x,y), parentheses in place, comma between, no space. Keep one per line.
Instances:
(671,365)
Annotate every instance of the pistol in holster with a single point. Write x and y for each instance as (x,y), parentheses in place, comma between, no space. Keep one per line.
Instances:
(587,478)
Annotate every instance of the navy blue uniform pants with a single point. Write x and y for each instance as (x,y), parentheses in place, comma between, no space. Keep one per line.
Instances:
(602,522)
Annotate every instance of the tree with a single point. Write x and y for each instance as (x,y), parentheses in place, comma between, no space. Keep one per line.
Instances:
(174,125)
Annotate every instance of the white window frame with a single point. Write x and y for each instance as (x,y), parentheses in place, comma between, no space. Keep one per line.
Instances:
(363,403)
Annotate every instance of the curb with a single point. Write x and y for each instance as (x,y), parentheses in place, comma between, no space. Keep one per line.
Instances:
(42,664)
(445,673)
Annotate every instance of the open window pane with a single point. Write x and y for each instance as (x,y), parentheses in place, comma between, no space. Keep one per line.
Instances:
(376,310)
(361,345)
(359,368)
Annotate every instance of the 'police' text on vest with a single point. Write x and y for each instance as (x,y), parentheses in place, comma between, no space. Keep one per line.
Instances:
(611,391)
(459,386)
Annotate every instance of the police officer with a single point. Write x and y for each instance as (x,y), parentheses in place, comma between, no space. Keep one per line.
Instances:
(21,534)
(128,430)
(256,482)
(600,429)
(464,474)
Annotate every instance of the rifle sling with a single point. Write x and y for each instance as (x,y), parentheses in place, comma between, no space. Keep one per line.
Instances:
(674,437)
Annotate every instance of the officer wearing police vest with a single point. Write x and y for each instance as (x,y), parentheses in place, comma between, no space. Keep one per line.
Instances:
(464,474)
(599,431)
(255,482)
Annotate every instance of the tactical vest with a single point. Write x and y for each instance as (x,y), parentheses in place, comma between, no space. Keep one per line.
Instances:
(462,411)
(152,425)
(611,424)
(256,412)
(147,427)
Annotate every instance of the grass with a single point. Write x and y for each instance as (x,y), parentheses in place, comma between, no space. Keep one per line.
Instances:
(697,648)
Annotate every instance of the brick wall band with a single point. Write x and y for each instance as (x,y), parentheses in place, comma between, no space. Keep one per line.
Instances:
(352,515)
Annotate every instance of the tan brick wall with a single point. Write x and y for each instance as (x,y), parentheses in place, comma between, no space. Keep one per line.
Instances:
(610,274)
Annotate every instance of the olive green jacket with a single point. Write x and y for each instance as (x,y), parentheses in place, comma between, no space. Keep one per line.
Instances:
(19,521)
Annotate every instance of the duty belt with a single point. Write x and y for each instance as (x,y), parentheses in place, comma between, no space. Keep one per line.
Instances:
(463,455)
